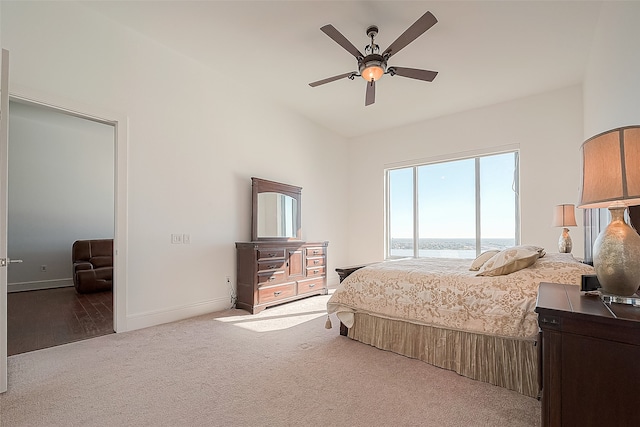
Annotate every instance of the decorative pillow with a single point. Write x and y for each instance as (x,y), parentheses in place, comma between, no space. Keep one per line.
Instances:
(540,250)
(482,258)
(511,260)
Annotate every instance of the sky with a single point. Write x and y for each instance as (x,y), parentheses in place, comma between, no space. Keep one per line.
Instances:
(447,199)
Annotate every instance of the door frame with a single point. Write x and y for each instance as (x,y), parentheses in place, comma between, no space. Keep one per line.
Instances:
(4,175)
(120,122)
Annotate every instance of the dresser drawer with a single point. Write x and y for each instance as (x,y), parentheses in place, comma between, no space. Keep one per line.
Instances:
(274,293)
(305,286)
(315,261)
(315,271)
(272,264)
(265,254)
(271,277)
(315,251)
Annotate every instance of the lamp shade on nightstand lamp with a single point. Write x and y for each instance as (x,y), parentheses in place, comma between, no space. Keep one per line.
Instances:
(611,179)
(564,216)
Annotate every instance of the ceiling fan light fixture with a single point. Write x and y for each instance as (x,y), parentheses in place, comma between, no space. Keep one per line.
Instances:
(372,67)
(373,72)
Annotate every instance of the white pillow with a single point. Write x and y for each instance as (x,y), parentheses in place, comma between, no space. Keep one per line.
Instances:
(511,260)
(540,250)
(482,258)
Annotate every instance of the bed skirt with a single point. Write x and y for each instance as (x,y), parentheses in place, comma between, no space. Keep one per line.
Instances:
(506,362)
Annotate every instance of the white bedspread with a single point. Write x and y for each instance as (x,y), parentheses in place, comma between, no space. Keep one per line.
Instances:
(444,293)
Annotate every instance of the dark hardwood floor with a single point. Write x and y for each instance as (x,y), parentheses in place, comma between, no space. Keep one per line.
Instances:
(50,317)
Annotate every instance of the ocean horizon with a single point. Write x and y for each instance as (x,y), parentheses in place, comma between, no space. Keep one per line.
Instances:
(447,247)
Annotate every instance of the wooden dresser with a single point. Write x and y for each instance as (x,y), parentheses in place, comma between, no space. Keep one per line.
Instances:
(270,273)
(589,359)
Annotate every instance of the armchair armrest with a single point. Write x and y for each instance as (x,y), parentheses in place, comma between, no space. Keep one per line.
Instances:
(82,265)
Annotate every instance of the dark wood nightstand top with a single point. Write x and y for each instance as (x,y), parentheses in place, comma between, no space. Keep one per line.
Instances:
(554,296)
(574,311)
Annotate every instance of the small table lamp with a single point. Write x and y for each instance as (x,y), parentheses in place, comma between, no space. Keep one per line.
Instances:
(611,179)
(564,216)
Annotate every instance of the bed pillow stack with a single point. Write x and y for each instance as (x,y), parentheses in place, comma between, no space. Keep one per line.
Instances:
(510,260)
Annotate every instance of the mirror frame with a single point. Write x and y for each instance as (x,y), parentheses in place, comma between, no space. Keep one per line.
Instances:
(258,186)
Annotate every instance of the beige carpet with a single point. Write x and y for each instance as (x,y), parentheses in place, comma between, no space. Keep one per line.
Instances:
(278,368)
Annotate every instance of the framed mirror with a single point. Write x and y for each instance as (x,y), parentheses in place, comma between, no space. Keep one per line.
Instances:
(276,211)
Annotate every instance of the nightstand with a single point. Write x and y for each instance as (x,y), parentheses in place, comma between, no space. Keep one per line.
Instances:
(344,272)
(589,359)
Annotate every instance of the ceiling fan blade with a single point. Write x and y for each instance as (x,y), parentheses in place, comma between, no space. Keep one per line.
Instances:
(370,97)
(341,40)
(425,22)
(414,73)
(331,79)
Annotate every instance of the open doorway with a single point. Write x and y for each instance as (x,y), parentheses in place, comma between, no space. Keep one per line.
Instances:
(61,189)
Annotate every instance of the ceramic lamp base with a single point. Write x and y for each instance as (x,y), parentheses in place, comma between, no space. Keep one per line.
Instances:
(616,256)
(564,243)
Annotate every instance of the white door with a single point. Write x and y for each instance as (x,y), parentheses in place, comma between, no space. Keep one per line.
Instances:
(4,165)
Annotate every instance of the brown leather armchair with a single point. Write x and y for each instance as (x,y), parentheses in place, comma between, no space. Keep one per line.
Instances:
(92,265)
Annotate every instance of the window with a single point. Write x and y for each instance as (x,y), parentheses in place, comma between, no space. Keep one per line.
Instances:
(453,209)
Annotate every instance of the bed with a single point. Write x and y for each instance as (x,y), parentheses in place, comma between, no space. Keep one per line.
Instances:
(482,326)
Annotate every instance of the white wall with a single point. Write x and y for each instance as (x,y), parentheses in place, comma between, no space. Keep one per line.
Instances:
(547,128)
(612,83)
(61,189)
(195,138)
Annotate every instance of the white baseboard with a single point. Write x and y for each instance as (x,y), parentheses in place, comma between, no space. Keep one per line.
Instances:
(38,285)
(158,317)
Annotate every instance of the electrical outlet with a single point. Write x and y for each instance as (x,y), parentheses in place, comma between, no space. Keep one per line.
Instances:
(43,268)
(186,239)
(232,294)
(176,238)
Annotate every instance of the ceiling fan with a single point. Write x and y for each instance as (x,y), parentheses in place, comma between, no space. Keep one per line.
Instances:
(373,65)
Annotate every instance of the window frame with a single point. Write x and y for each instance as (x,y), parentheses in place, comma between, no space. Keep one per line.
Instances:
(416,222)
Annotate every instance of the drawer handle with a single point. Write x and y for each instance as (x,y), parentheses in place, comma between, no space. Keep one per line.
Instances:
(315,261)
(271,267)
(315,252)
(276,293)
(311,285)
(316,271)
(271,279)
(551,322)
(272,255)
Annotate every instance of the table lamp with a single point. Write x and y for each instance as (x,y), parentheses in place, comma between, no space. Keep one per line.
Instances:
(611,179)
(564,216)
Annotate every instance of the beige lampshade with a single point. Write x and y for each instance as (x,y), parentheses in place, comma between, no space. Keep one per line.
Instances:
(611,169)
(564,216)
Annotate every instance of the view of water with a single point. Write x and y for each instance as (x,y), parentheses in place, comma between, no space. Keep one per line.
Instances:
(446,248)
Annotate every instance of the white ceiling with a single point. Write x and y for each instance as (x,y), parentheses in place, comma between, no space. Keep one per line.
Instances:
(486,52)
